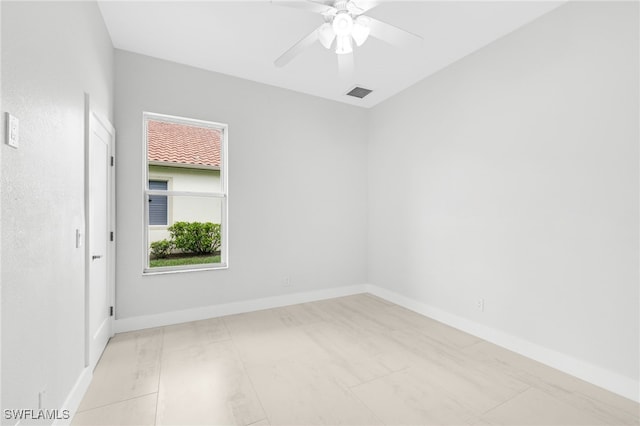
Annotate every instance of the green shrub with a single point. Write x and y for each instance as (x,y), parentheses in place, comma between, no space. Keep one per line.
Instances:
(196,237)
(161,249)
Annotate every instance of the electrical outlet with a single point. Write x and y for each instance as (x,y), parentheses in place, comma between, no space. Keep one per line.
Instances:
(42,398)
(480,304)
(286,282)
(12,130)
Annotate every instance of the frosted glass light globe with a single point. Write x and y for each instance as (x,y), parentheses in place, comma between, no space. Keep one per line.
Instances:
(342,24)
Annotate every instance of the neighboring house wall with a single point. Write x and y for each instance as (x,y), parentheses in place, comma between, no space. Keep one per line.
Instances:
(52,53)
(187,209)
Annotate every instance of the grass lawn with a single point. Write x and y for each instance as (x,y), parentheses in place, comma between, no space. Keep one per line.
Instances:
(178,261)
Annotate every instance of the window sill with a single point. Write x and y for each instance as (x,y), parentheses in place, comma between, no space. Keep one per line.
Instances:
(176,270)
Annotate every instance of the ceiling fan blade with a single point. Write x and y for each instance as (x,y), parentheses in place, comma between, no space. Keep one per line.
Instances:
(361,6)
(394,35)
(297,48)
(309,6)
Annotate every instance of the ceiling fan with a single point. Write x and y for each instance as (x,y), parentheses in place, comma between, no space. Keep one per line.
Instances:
(344,25)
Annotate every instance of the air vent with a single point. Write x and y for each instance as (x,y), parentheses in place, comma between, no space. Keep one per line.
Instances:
(359,92)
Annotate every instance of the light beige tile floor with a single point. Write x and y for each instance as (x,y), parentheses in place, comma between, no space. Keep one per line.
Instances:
(356,360)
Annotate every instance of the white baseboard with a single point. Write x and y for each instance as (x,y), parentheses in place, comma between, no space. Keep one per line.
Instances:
(73,400)
(213,311)
(596,375)
(75,396)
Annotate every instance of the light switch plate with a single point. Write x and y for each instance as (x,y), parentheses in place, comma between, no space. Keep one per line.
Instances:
(13,135)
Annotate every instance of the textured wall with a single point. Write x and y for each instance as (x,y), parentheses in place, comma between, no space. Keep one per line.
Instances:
(52,53)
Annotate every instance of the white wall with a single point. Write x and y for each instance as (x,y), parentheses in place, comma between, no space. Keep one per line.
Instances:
(2,130)
(52,53)
(512,176)
(297,187)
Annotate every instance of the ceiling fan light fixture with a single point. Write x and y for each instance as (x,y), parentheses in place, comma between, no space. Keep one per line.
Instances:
(344,28)
(361,30)
(342,24)
(344,45)
(326,35)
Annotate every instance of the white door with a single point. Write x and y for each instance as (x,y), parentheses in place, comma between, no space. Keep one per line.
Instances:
(98,238)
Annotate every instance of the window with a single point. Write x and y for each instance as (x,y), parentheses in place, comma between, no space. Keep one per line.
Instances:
(158,203)
(185,194)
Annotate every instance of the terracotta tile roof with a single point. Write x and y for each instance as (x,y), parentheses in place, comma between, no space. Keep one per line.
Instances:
(183,144)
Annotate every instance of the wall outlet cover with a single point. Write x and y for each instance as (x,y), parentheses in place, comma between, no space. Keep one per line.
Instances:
(12,131)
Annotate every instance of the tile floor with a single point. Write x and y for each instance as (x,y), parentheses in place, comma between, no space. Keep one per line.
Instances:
(356,360)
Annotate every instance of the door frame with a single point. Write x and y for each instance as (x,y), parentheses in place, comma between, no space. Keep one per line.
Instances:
(90,113)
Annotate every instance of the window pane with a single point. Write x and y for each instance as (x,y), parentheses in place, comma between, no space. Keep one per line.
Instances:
(185,226)
(193,235)
(182,146)
(157,204)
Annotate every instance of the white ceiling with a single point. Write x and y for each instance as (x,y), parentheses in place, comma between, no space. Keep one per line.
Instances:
(243,38)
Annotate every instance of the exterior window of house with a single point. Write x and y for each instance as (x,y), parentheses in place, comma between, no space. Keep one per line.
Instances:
(158,203)
(185,194)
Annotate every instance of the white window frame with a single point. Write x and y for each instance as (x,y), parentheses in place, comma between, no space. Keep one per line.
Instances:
(223,195)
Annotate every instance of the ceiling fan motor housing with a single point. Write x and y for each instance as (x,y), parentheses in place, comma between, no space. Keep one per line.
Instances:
(342,24)
(341,5)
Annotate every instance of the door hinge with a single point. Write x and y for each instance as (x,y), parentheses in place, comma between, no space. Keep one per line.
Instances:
(110,311)
(111,236)
(113,160)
